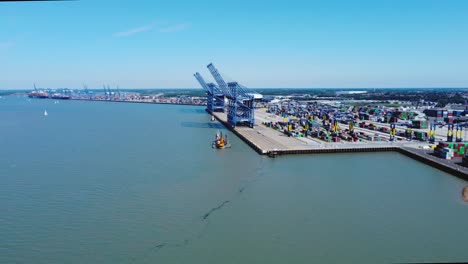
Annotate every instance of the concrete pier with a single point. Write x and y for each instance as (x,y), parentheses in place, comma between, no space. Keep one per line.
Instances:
(267,141)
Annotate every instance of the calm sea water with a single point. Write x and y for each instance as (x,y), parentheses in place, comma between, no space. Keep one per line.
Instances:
(97,182)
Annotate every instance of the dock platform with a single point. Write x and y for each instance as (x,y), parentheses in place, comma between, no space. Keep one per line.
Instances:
(267,141)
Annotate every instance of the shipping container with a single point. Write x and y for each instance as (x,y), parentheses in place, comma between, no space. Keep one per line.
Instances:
(430,112)
(420,124)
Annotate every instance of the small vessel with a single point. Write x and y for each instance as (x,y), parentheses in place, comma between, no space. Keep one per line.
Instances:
(212,118)
(45,113)
(221,142)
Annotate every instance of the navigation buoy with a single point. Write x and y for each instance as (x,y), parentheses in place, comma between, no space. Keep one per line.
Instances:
(465,194)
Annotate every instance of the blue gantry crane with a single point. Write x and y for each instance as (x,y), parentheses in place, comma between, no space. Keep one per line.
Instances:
(215,97)
(240,103)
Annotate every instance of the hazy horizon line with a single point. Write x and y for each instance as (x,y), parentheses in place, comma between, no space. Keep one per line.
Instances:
(253,88)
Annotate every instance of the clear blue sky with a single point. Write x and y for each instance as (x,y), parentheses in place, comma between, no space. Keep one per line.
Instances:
(160,44)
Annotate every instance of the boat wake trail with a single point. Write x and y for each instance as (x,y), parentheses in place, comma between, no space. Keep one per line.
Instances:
(159,246)
(214,209)
(153,249)
(256,176)
(259,173)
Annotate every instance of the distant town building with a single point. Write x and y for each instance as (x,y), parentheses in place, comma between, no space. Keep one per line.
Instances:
(456,106)
(350,92)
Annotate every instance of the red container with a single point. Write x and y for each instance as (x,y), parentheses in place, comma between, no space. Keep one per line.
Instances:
(336,139)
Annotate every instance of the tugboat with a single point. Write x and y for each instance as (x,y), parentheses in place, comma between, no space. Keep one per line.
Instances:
(221,142)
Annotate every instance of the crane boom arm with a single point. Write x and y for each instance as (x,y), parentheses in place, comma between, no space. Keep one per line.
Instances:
(219,80)
(203,82)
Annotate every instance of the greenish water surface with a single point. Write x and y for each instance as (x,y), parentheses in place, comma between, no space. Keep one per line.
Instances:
(100,182)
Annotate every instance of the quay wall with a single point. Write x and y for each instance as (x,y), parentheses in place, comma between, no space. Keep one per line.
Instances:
(450,168)
(435,162)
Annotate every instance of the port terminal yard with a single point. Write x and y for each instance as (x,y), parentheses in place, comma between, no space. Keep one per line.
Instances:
(317,127)
(267,141)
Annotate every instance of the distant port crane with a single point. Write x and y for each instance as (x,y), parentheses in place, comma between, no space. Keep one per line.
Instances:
(215,97)
(105,92)
(450,133)
(459,135)
(108,93)
(432,133)
(240,103)
(393,131)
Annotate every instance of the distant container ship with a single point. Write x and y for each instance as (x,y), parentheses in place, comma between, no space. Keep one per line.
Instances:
(42,94)
(60,96)
(38,94)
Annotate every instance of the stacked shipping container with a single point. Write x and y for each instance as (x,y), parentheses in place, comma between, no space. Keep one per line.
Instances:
(449,150)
